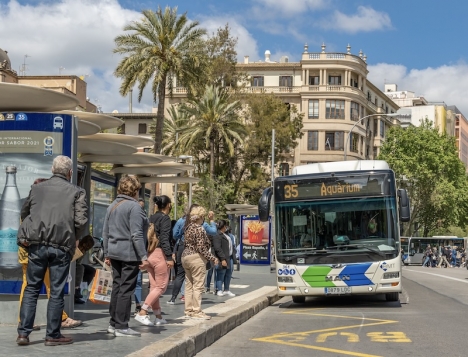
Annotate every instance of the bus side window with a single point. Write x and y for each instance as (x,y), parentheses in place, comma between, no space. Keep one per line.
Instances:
(413,252)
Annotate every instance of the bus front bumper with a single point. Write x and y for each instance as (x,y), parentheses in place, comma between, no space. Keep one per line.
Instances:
(380,288)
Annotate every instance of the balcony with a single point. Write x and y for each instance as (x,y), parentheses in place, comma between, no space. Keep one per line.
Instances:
(333,56)
(271,89)
(332,88)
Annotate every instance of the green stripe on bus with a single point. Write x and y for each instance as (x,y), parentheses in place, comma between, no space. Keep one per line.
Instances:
(315,276)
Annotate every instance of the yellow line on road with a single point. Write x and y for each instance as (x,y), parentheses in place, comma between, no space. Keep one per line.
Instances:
(325,349)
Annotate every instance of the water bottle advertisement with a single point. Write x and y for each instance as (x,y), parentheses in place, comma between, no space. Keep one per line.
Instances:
(29,142)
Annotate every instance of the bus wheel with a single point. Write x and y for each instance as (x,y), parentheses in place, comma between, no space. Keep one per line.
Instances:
(298,299)
(392,296)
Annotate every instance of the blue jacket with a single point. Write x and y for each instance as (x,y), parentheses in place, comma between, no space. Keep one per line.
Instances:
(178,230)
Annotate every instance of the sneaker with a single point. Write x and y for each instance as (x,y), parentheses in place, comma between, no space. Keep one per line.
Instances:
(111,329)
(207,290)
(220,293)
(182,298)
(201,316)
(127,332)
(170,302)
(70,323)
(144,319)
(228,293)
(159,321)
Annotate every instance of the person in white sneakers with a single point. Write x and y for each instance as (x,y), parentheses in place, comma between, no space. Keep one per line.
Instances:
(224,251)
(159,259)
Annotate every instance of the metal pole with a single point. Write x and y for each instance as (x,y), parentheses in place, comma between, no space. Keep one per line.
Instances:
(367,116)
(175,185)
(190,184)
(272,156)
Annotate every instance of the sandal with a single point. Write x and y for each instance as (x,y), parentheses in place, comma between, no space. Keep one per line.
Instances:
(70,323)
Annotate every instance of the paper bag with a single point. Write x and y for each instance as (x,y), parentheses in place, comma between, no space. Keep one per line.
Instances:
(101,290)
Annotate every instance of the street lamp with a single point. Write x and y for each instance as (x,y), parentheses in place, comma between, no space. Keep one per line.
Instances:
(184,157)
(360,120)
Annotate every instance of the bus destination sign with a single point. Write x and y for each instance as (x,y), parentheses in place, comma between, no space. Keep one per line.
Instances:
(331,187)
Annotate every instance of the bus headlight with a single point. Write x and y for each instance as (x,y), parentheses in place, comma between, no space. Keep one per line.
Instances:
(285,279)
(392,275)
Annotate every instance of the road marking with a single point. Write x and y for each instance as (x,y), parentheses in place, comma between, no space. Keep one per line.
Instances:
(317,348)
(294,338)
(388,337)
(352,337)
(441,276)
(239,286)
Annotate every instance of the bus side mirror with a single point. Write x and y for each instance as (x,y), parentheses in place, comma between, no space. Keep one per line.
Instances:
(404,204)
(264,204)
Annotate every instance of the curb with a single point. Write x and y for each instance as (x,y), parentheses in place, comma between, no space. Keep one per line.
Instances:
(194,339)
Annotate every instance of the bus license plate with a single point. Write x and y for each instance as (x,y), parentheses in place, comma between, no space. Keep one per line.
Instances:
(338,290)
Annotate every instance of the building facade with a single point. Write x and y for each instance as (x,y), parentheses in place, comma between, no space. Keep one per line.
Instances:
(72,85)
(331,90)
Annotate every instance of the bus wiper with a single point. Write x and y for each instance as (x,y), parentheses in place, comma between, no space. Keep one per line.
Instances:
(377,251)
(304,255)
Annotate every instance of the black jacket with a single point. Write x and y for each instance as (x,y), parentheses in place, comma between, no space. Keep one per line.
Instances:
(221,249)
(163,229)
(58,212)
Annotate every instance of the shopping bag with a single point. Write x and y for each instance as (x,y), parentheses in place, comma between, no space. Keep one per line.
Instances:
(101,289)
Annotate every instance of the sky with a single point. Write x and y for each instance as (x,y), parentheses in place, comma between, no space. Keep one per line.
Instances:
(417,44)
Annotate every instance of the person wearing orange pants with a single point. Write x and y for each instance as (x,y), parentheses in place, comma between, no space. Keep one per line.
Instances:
(67,322)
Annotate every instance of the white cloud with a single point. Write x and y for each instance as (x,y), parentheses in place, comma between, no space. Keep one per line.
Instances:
(75,34)
(448,83)
(246,44)
(366,19)
(287,8)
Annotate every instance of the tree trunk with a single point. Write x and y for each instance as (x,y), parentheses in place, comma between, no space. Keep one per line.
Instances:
(158,134)
(212,158)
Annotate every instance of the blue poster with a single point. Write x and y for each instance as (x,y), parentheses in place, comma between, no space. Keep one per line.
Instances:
(255,241)
(29,142)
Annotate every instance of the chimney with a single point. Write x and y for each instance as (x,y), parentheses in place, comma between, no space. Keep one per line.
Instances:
(267,56)
(246,59)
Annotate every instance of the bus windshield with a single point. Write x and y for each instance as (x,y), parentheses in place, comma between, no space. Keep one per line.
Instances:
(332,231)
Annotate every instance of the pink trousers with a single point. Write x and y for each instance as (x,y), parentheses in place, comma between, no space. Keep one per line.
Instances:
(158,273)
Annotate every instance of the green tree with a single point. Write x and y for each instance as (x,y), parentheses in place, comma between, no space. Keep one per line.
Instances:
(263,112)
(214,118)
(426,163)
(157,49)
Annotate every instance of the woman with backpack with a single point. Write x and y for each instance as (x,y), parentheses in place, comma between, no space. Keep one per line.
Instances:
(159,259)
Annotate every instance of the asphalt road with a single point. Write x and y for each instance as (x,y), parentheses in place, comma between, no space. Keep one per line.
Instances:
(429,320)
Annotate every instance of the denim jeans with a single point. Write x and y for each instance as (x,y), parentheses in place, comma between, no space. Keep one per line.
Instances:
(41,257)
(426,260)
(223,276)
(209,274)
(138,288)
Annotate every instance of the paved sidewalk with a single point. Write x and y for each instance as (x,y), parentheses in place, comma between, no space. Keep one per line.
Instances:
(91,339)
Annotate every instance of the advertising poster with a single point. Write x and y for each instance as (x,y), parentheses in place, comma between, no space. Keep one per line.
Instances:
(255,241)
(29,142)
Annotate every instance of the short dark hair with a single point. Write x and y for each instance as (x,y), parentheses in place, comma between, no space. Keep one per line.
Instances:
(221,224)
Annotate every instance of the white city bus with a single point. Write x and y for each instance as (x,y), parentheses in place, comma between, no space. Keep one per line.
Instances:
(336,229)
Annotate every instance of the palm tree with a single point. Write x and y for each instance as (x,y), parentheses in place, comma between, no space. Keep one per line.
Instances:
(214,117)
(173,125)
(158,49)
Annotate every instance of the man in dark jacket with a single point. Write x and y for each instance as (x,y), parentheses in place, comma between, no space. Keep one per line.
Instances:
(57,211)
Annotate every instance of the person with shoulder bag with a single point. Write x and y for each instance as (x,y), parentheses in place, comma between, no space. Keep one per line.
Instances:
(159,259)
(224,251)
